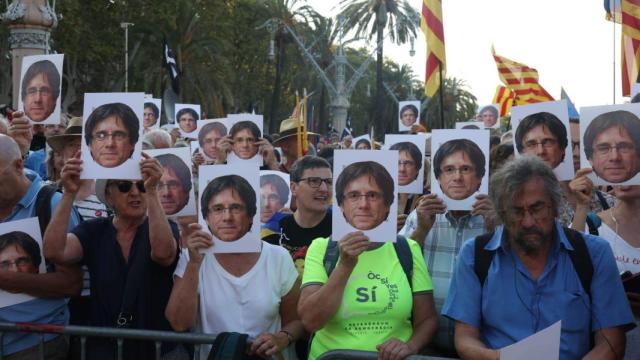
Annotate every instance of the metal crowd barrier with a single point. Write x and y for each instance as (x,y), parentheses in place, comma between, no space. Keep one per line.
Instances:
(157,337)
(366,355)
(83,332)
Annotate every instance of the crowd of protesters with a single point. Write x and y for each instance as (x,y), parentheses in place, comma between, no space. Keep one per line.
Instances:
(144,270)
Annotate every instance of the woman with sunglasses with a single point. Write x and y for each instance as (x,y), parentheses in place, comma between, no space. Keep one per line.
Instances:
(130,256)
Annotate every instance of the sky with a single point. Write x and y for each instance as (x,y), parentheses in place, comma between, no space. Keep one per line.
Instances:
(569,42)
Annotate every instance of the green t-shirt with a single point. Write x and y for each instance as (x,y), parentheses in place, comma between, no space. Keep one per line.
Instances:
(377,300)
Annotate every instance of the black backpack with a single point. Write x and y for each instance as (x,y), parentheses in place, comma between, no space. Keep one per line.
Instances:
(580,258)
(402,250)
(230,346)
(43,205)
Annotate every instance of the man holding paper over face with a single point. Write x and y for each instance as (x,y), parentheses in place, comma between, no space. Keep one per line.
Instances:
(555,274)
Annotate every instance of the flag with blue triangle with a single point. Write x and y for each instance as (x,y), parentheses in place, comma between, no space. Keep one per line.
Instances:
(573,112)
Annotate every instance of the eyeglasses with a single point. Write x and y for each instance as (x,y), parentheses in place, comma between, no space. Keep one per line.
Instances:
(622,148)
(315,181)
(125,186)
(20,262)
(116,135)
(234,209)
(463,170)
(44,91)
(169,185)
(371,196)
(408,163)
(538,211)
(546,143)
(270,198)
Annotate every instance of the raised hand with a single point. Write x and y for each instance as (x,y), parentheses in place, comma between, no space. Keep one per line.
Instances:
(70,174)
(151,171)
(582,187)
(351,246)
(428,206)
(20,131)
(224,147)
(197,241)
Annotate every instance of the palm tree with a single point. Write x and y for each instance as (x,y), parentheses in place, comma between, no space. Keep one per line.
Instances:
(370,18)
(324,32)
(459,105)
(293,15)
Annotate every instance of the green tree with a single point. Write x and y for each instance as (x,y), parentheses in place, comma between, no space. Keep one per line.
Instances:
(370,18)
(293,15)
(459,105)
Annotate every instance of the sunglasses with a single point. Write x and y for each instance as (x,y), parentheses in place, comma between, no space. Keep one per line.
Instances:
(125,186)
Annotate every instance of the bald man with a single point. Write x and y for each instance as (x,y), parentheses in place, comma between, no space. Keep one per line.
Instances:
(18,193)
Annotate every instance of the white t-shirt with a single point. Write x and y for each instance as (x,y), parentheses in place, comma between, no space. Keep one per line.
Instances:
(627,256)
(249,304)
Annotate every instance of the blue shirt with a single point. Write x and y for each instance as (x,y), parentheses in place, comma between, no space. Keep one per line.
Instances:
(36,162)
(512,305)
(46,311)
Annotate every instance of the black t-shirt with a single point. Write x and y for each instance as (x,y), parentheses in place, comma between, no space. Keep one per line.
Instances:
(297,239)
(108,269)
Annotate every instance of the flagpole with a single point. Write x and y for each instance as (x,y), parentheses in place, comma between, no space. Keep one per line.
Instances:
(614,59)
(441,90)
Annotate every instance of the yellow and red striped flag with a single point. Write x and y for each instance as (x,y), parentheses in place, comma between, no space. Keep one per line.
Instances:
(504,99)
(630,44)
(431,24)
(300,117)
(520,79)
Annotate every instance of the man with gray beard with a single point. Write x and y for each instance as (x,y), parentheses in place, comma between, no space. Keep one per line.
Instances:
(532,272)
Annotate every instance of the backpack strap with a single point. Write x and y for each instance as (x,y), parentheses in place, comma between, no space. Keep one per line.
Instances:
(43,205)
(482,257)
(330,258)
(603,201)
(401,246)
(580,258)
(403,251)
(593,223)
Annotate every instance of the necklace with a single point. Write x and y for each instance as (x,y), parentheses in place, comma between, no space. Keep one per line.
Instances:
(615,221)
(618,238)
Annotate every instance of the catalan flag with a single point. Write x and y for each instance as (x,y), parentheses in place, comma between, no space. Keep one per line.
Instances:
(504,99)
(431,24)
(522,80)
(630,44)
(300,115)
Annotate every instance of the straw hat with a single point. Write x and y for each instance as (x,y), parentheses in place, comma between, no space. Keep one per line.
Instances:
(288,129)
(73,131)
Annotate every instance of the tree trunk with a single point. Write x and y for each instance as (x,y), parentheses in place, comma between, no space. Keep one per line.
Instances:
(321,124)
(380,124)
(275,98)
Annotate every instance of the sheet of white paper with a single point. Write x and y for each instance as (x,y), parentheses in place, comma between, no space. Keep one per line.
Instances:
(544,344)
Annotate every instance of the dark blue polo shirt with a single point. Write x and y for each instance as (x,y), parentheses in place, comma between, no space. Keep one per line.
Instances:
(108,270)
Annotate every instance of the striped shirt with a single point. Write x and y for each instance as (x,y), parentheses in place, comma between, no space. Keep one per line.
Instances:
(441,247)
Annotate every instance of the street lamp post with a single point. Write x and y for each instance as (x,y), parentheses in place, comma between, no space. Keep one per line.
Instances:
(125,26)
(339,90)
(30,23)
